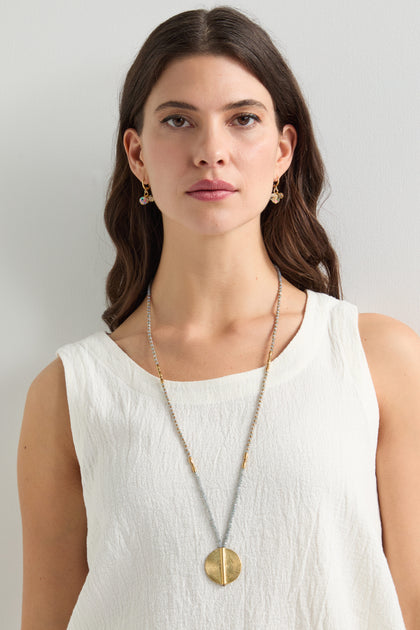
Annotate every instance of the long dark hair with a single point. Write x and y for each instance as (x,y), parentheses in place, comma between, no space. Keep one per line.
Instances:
(293,236)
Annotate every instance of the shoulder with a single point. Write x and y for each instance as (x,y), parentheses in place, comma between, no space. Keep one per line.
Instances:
(393,353)
(49,387)
(52,373)
(54,522)
(388,337)
(46,415)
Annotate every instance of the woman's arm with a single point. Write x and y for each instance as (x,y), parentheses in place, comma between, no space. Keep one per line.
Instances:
(52,507)
(393,353)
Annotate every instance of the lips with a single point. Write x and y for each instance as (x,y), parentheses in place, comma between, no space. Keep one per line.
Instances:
(211,184)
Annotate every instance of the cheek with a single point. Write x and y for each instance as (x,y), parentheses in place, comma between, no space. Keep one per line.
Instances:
(162,157)
(258,162)
(165,166)
(261,154)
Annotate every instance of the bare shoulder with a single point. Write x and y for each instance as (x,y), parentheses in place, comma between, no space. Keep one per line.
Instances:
(52,508)
(47,460)
(386,331)
(50,380)
(393,353)
(46,411)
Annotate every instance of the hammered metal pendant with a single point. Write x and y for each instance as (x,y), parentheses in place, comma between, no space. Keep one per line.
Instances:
(223,565)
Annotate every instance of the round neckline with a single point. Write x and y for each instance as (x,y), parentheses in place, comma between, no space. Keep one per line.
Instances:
(291,359)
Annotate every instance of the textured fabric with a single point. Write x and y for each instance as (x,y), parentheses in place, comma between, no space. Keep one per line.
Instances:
(307,525)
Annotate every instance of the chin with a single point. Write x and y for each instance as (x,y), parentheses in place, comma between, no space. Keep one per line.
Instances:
(210,221)
(223,228)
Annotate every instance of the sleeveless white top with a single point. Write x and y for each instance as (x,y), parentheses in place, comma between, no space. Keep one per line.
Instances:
(307,525)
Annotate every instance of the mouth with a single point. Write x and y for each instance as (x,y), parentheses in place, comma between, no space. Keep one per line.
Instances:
(210,195)
(211,184)
(211,190)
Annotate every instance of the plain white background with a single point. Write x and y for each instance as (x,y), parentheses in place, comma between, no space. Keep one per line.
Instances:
(62,66)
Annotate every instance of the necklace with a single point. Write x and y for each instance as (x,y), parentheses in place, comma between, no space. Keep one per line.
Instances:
(222,565)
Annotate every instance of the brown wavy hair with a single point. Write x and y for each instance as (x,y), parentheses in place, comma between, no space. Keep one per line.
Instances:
(293,236)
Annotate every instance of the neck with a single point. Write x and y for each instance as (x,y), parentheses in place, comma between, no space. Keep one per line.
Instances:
(208,284)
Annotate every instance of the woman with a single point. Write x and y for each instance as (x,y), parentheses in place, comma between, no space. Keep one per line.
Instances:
(299,495)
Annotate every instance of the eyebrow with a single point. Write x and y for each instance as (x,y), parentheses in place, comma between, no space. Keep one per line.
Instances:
(247,102)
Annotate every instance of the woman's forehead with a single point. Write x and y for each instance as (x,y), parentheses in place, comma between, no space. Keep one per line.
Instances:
(204,80)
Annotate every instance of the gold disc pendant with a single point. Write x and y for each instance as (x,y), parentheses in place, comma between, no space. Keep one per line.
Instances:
(223,565)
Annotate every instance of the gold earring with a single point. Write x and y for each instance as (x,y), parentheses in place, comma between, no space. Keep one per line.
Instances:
(147,195)
(275,194)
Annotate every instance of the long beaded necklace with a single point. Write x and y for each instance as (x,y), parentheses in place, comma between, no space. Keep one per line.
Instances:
(222,565)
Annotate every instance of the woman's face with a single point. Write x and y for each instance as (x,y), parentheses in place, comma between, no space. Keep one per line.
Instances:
(207,118)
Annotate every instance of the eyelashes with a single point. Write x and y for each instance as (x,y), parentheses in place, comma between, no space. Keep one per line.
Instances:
(178,118)
(252,117)
(172,119)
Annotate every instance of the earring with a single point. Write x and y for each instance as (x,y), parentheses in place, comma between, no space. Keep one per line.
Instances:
(147,195)
(275,194)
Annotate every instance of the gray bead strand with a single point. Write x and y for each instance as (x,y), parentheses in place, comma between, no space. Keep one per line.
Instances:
(203,496)
(235,500)
(220,542)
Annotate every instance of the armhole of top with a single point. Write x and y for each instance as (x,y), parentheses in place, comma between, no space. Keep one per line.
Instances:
(71,389)
(358,364)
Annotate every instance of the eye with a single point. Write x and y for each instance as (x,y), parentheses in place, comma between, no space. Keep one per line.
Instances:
(175,121)
(245,119)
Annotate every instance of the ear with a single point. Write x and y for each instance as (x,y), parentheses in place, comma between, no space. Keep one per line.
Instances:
(133,149)
(285,149)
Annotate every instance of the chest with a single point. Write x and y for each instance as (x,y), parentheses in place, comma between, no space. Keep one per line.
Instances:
(313,442)
(196,359)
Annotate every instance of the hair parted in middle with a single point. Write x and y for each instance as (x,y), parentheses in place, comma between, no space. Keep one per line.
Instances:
(294,238)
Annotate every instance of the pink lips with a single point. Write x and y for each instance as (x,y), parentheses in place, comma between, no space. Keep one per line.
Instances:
(211,189)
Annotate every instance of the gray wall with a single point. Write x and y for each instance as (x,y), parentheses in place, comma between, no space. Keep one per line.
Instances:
(62,67)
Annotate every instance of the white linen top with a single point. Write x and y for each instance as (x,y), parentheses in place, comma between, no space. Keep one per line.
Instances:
(307,525)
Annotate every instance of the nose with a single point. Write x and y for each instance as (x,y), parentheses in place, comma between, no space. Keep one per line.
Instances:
(211,148)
